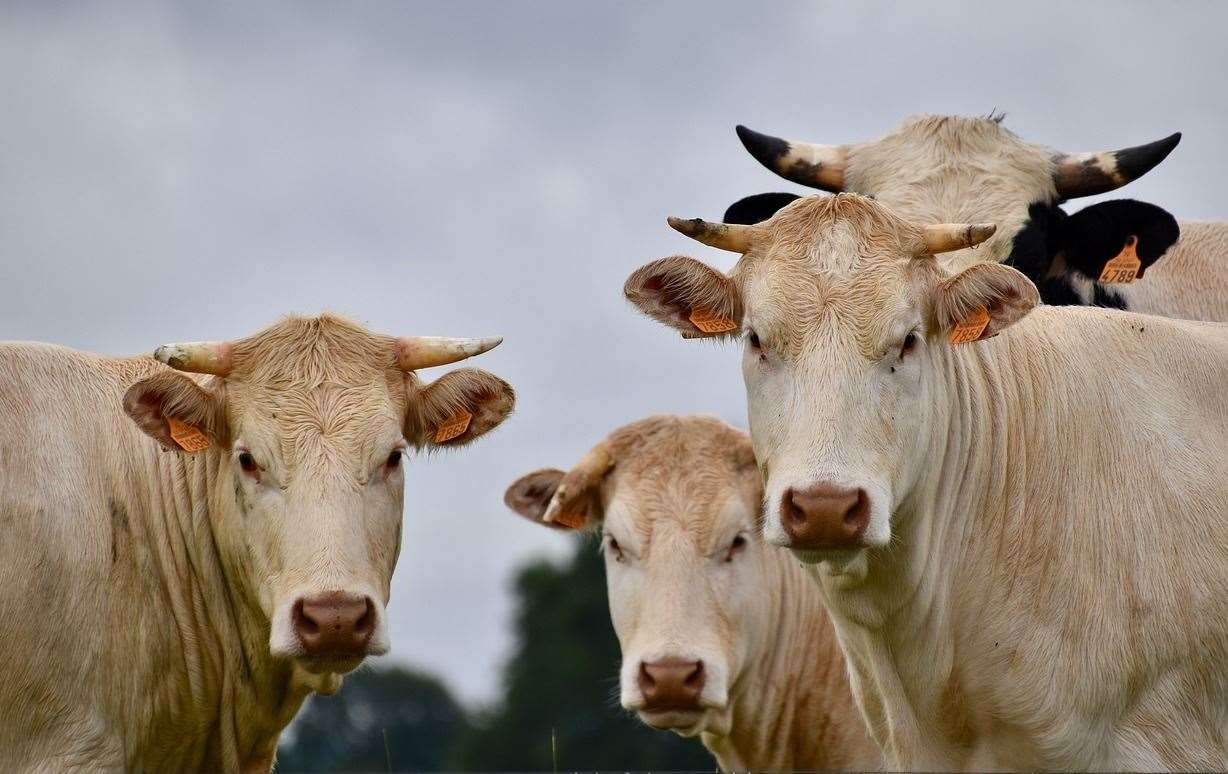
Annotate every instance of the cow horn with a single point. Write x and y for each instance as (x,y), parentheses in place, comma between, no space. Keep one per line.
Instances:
(944,237)
(414,352)
(579,482)
(198,357)
(817,166)
(1088,174)
(725,236)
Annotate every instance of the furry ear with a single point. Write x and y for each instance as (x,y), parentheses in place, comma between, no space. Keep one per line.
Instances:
(750,210)
(531,494)
(688,296)
(985,290)
(176,411)
(1095,235)
(458,407)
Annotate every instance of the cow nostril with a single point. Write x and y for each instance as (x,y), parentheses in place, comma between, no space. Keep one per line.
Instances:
(363,625)
(304,623)
(646,679)
(695,679)
(793,510)
(857,514)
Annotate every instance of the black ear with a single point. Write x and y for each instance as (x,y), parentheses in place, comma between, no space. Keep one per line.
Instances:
(758,208)
(1093,236)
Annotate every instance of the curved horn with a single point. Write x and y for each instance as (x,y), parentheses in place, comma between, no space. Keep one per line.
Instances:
(817,166)
(1088,174)
(725,236)
(944,237)
(414,352)
(198,357)
(578,484)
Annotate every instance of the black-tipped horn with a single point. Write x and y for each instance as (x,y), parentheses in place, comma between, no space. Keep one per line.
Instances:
(1088,174)
(817,166)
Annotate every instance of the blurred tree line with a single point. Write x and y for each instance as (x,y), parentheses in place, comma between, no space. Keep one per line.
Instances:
(559,708)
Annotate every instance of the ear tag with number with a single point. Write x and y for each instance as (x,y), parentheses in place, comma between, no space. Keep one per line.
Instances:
(971,327)
(189,438)
(1124,268)
(453,427)
(710,322)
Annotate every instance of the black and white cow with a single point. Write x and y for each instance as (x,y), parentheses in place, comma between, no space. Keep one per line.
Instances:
(959,169)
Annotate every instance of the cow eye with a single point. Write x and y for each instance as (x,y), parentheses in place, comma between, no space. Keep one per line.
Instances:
(247,462)
(909,344)
(614,548)
(753,338)
(394,459)
(735,547)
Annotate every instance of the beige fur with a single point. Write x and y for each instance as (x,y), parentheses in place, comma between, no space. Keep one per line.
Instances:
(143,585)
(680,489)
(1044,578)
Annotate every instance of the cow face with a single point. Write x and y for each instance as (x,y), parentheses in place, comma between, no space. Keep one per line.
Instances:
(307,424)
(676,501)
(845,315)
(934,169)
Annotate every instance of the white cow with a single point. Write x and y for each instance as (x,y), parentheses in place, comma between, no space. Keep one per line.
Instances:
(170,610)
(1022,541)
(722,636)
(942,169)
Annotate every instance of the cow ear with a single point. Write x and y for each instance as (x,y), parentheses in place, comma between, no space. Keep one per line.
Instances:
(1097,234)
(176,412)
(982,301)
(688,296)
(758,208)
(458,407)
(530,495)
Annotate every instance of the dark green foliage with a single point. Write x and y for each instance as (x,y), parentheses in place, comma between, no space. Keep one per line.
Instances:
(346,732)
(562,679)
(563,676)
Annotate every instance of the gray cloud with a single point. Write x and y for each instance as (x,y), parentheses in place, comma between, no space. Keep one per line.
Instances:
(180,171)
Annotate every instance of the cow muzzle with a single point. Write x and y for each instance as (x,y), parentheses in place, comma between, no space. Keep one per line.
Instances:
(824,517)
(330,631)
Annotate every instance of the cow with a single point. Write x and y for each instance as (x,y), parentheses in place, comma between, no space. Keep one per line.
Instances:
(939,169)
(722,636)
(1017,514)
(196,541)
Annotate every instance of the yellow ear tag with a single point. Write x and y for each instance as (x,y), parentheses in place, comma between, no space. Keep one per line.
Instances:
(453,427)
(189,438)
(1124,268)
(709,322)
(970,328)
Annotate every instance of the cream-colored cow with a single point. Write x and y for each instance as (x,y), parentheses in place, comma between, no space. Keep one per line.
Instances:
(722,636)
(1022,540)
(167,610)
(942,169)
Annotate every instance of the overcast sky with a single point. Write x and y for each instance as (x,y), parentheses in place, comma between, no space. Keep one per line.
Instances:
(193,171)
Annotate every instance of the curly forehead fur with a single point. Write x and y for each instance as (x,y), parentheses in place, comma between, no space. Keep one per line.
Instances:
(681,468)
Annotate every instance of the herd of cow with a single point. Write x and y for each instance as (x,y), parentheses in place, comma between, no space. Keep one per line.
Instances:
(1013,549)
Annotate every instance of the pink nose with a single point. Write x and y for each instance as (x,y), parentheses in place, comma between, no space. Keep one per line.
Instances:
(825,516)
(671,684)
(334,624)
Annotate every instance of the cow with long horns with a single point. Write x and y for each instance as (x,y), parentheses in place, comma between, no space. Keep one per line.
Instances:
(1016,515)
(172,601)
(952,168)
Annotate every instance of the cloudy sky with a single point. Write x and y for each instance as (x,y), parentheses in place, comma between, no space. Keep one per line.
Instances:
(175,171)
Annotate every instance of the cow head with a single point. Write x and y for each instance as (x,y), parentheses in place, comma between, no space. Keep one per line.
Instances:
(951,168)
(846,317)
(302,429)
(676,500)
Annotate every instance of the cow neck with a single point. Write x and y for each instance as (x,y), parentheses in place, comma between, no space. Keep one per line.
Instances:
(215,622)
(793,709)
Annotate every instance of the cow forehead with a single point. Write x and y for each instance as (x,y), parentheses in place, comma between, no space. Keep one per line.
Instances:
(310,351)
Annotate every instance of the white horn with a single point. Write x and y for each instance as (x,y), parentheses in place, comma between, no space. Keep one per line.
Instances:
(198,357)
(414,352)
(944,237)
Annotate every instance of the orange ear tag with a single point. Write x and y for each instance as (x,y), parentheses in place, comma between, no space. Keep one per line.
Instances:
(1124,268)
(709,322)
(189,438)
(453,427)
(569,520)
(970,328)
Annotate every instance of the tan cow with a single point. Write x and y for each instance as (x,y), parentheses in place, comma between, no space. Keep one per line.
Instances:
(1022,540)
(167,610)
(722,636)
(943,169)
